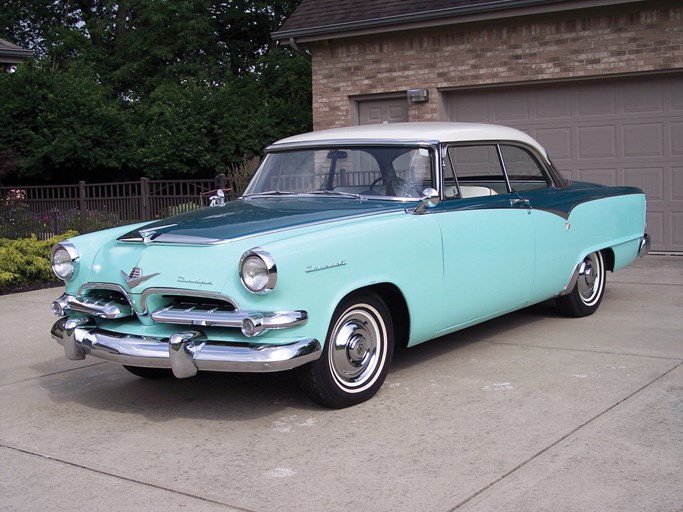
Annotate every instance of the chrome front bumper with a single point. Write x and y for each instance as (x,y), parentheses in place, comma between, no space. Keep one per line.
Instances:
(184,352)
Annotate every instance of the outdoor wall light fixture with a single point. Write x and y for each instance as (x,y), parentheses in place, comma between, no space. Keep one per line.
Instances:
(418,95)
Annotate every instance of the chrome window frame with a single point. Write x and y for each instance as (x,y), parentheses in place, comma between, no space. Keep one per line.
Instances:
(433,146)
(544,164)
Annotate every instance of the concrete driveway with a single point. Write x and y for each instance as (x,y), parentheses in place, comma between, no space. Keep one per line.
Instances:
(528,412)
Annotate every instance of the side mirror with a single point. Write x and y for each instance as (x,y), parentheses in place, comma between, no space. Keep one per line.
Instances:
(430,198)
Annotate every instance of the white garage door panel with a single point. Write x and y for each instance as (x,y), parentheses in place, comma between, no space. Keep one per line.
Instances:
(616,132)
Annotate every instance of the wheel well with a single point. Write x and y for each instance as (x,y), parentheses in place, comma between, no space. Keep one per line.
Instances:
(608,256)
(396,303)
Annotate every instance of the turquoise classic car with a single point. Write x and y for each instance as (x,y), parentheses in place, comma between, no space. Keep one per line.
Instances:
(347,244)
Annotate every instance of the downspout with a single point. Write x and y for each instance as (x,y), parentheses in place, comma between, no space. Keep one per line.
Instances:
(298,49)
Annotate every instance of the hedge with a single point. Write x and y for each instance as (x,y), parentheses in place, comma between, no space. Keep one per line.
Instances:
(26,261)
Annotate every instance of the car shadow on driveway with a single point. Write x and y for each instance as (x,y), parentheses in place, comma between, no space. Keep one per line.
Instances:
(495,330)
(243,396)
(207,396)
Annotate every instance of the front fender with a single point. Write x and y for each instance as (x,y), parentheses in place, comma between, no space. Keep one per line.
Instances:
(317,270)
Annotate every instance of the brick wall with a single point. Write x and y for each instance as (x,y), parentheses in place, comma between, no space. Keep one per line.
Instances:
(587,45)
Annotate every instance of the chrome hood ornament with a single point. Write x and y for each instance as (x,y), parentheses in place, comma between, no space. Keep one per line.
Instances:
(135,277)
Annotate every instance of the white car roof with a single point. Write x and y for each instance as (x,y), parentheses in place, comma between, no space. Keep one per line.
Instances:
(415,132)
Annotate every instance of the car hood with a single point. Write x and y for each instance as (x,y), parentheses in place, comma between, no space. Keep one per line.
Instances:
(248,217)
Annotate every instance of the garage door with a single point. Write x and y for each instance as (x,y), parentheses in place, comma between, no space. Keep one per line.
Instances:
(615,132)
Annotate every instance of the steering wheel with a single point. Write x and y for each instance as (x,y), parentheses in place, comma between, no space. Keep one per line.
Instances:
(401,187)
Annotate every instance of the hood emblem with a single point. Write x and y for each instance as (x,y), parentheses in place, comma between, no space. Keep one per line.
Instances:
(135,277)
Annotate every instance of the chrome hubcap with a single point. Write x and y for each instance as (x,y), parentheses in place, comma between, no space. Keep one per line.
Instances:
(357,352)
(590,278)
(357,347)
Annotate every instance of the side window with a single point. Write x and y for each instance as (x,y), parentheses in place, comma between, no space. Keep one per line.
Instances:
(524,171)
(478,170)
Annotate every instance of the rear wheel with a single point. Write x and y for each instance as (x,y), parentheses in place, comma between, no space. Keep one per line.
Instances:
(584,299)
(356,357)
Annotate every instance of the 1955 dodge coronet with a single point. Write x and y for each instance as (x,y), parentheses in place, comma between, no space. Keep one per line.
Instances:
(346,244)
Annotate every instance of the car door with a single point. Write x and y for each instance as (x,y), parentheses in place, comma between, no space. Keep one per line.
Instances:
(556,252)
(488,238)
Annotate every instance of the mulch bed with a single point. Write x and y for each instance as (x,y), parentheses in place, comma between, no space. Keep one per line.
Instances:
(29,287)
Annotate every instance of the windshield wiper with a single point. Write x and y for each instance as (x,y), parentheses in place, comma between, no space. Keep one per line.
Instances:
(336,193)
(272,193)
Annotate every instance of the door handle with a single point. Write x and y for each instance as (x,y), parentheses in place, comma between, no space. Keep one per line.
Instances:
(520,202)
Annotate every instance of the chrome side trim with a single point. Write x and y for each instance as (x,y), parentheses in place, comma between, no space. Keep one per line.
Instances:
(572,281)
(181,351)
(171,238)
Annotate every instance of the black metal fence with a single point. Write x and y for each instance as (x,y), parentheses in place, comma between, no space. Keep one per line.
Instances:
(45,211)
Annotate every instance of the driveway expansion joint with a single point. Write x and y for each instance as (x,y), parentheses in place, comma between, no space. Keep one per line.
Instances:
(122,478)
(561,439)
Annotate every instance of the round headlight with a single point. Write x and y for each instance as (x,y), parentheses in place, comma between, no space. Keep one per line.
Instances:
(63,257)
(258,272)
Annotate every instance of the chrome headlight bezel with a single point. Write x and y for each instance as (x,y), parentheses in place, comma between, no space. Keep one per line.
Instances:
(258,272)
(63,260)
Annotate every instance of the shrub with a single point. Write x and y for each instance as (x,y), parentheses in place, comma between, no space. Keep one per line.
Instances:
(239,175)
(26,261)
(95,220)
(177,209)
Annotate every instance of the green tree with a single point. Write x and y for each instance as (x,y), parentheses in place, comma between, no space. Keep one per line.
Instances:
(64,123)
(131,87)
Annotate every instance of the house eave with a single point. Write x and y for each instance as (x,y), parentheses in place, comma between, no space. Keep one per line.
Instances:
(493,10)
(15,57)
(11,54)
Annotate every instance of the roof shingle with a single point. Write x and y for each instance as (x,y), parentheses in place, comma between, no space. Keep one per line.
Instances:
(315,19)
(321,13)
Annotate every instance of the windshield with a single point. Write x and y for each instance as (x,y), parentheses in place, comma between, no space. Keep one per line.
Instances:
(372,171)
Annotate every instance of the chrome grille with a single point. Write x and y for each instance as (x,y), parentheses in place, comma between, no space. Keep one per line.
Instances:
(102,303)
(200,311)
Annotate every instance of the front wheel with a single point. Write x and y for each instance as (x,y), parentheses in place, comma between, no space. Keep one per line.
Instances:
(357,354)
(585,297)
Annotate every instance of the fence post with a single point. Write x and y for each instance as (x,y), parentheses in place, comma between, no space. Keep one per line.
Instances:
(82,207)
(144,199)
